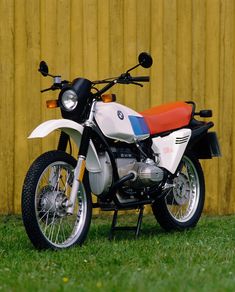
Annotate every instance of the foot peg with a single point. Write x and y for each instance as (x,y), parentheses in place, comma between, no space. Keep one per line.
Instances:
(136,228)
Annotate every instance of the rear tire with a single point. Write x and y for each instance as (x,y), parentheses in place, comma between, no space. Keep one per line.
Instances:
(45,192)
(182,206)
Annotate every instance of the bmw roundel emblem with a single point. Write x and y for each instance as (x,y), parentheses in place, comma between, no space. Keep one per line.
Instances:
(120,115)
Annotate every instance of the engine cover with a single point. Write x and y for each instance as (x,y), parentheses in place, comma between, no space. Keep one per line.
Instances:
(101,181)
(146,173)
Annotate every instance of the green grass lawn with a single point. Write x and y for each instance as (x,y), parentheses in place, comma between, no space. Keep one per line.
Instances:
(201,259)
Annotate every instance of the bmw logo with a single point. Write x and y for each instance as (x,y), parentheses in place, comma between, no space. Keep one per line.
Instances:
(120,115)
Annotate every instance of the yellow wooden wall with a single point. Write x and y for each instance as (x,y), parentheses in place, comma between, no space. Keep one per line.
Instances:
(193,46)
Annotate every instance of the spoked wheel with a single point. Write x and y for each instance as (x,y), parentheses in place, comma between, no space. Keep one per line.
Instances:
(45,199)
(181,207)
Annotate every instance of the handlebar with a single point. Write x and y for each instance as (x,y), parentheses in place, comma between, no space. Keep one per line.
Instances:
(125,78)
(140,79)
(58,84)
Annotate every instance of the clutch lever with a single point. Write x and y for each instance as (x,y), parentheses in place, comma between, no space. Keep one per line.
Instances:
(53,87)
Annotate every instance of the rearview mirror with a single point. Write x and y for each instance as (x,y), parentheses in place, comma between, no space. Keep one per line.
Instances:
(145,60)
(43,68)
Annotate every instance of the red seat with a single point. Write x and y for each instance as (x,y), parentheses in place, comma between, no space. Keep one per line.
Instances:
(167,117)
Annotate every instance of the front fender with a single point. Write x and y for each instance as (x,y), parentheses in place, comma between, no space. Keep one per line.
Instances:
(74,130)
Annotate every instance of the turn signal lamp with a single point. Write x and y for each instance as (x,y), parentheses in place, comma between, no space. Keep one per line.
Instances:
(52,103)
(108,97)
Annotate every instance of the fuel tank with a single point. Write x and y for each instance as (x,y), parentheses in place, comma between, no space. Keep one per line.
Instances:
(121,123)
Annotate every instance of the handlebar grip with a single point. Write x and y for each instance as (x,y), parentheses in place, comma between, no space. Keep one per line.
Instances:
(140,79)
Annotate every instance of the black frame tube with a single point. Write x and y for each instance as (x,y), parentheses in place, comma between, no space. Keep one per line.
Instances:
(63,141)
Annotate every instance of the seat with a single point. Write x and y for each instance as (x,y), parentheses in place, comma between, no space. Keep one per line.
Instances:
(167,117)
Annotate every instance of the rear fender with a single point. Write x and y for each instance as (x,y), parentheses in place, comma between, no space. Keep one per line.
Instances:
(204,144)
(206,147)
(74,130)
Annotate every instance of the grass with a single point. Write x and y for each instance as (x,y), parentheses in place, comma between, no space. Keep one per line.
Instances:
(201,259)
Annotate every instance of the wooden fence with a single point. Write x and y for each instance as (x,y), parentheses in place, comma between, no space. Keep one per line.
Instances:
(193,46)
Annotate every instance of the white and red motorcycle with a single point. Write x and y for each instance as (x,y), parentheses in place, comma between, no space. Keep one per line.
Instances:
(126,159)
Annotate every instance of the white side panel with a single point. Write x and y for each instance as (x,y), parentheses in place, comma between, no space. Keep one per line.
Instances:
(113,120)
(171,148)
(74,130)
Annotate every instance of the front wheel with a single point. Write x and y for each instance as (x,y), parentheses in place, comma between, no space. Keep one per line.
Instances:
(45,196)
(181,207)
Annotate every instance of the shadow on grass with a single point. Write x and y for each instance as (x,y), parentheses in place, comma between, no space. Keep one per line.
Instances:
(101,227)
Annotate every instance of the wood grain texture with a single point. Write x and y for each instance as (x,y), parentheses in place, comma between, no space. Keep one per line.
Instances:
(7,81)
(193,46)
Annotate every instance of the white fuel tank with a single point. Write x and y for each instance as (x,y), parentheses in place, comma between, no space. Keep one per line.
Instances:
(121,123)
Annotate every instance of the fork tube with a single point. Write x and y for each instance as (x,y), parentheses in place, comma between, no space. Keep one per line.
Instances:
(81,163)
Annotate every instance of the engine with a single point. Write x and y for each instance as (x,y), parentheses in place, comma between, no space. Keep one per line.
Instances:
(146,173)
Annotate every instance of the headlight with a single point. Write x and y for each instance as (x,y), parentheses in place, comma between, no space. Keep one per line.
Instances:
(69,100)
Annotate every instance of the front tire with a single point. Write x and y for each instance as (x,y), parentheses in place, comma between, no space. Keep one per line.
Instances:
(182,205)
(45,192)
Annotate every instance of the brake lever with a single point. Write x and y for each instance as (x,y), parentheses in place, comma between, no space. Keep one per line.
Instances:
(136,83)
(127,79)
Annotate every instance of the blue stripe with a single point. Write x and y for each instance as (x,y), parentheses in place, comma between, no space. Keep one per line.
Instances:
(139,125)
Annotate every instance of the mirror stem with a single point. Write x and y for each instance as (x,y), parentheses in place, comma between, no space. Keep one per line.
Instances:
(132,68)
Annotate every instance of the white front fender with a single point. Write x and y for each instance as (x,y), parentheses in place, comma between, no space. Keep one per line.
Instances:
(74,130)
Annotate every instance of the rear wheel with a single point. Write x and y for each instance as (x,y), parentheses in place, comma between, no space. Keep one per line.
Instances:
(182,205)
(45,197)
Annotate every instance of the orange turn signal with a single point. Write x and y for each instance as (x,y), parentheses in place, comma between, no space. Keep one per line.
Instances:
(108,97)
(52,103)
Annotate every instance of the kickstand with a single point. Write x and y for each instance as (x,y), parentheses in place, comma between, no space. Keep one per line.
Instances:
(134,228)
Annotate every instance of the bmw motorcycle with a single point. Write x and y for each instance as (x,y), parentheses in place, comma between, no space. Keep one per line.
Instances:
(125,158)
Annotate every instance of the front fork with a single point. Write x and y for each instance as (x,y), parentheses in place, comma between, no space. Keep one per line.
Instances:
(81,163)
(80,168)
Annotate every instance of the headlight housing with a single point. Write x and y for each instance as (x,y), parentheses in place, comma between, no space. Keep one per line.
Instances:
(69,100)
(74,98)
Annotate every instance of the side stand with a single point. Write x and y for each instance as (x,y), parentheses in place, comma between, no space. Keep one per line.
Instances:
(134,228)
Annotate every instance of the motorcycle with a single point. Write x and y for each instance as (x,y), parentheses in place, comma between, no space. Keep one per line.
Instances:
(125,158)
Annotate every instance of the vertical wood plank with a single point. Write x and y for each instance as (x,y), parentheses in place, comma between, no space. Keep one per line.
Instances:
(62,49)
(198,51)
(48,52)
(232,210)
(21,127)
(130,50)
(32,75)
(212,94)
(156,81)
(143,45)
(7,105)
(90,39)
(103,39)
(226,106)
(184,50)
(116,22)
(198,56)
(76,41)
(169,44)
(27,84)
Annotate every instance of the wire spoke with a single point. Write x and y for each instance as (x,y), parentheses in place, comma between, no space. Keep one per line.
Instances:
(52,191)
(185,193)
(52,227)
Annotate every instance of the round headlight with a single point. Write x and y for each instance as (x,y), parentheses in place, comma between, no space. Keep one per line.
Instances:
(69,100)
